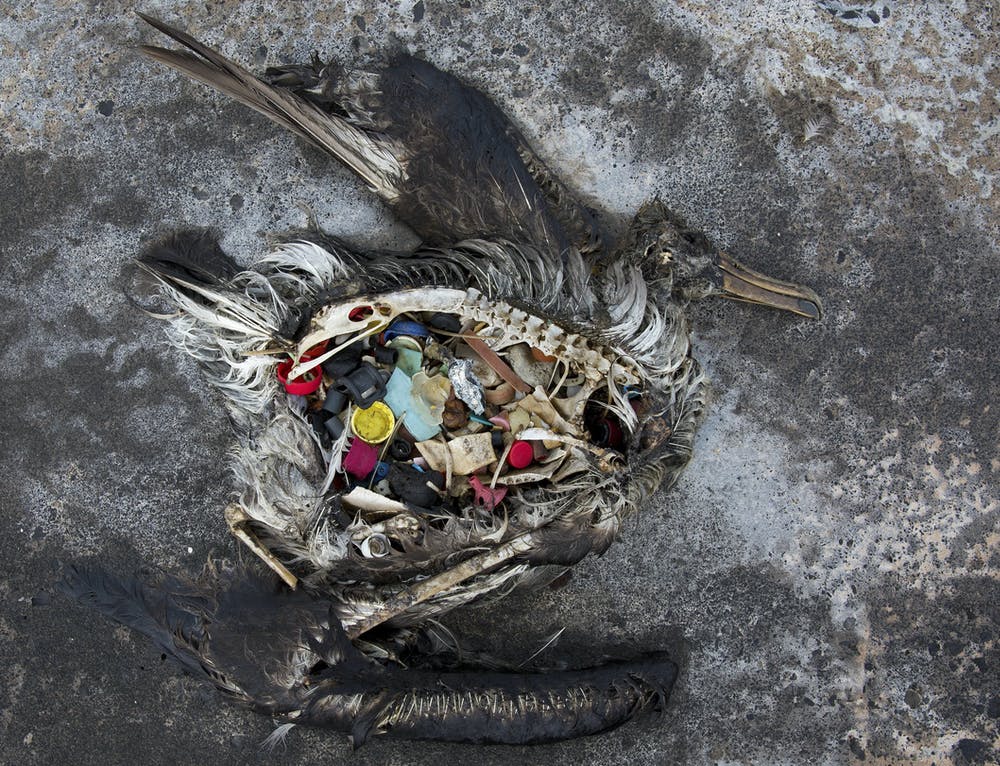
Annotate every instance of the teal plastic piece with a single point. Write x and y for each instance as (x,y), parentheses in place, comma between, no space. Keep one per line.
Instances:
(408,359)
(399,397)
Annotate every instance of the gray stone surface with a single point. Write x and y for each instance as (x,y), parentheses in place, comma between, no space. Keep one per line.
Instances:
(827,571)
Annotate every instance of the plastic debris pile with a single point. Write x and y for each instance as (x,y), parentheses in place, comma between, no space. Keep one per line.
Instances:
(425,418)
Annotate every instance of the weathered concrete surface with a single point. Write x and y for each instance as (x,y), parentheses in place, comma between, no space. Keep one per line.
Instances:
(828,569)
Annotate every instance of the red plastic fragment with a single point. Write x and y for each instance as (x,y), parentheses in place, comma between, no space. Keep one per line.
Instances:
(486,498)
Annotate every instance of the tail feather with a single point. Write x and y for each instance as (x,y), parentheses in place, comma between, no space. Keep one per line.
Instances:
(231,627)
(152,609)
(369,156)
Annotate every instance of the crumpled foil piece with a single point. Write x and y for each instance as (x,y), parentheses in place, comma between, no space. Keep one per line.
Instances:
(467,386)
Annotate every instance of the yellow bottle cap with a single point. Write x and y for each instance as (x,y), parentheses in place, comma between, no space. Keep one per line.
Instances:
(373,424)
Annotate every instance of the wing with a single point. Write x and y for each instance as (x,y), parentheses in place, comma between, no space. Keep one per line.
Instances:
(368,156)
(439,152)
(471,171)
(282,653)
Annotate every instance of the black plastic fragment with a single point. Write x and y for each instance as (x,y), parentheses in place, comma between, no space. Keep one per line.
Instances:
(334,426)
(345,362)
(410,484)
(318,420)
(335,401)
(385,355)
(365,385)
(445,323)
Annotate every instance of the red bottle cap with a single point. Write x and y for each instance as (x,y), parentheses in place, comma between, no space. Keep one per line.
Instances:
(521,455)
(302,386)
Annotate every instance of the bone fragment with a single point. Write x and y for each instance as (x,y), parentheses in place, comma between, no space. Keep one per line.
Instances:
(421,591)
(237,520)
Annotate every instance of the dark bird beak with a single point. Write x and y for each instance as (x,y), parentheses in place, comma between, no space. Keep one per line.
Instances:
(743,284)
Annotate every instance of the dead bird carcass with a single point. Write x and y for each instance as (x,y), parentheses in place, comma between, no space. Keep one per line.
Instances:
(419,430)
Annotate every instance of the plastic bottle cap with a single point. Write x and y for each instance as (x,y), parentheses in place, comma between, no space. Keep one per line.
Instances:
(302,386)
(521,454)
(335,401)
(405,327)
(373,424)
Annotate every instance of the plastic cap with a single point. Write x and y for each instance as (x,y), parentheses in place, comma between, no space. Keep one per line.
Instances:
(373,424)
(400,449)
(521,454)
(335,401)
(302,386)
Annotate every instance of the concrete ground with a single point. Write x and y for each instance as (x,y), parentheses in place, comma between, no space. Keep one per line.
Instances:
(827,570)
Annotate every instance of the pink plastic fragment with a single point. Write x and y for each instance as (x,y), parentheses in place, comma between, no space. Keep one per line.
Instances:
(501,422)
(360,459)
(486,498)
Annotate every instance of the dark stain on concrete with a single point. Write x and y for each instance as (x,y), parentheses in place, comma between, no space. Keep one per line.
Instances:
(652,113)
(37,191)
(949,645)
(915,334)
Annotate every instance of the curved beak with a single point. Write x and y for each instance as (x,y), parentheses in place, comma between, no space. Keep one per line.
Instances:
(743,284)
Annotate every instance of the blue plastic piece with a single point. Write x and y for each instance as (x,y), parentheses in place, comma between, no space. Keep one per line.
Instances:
(381,470)
(632,392)
(405,327)
(399,397)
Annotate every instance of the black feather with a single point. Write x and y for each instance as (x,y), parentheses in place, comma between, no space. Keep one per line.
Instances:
(285,653)
(189,255)
(151,608)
